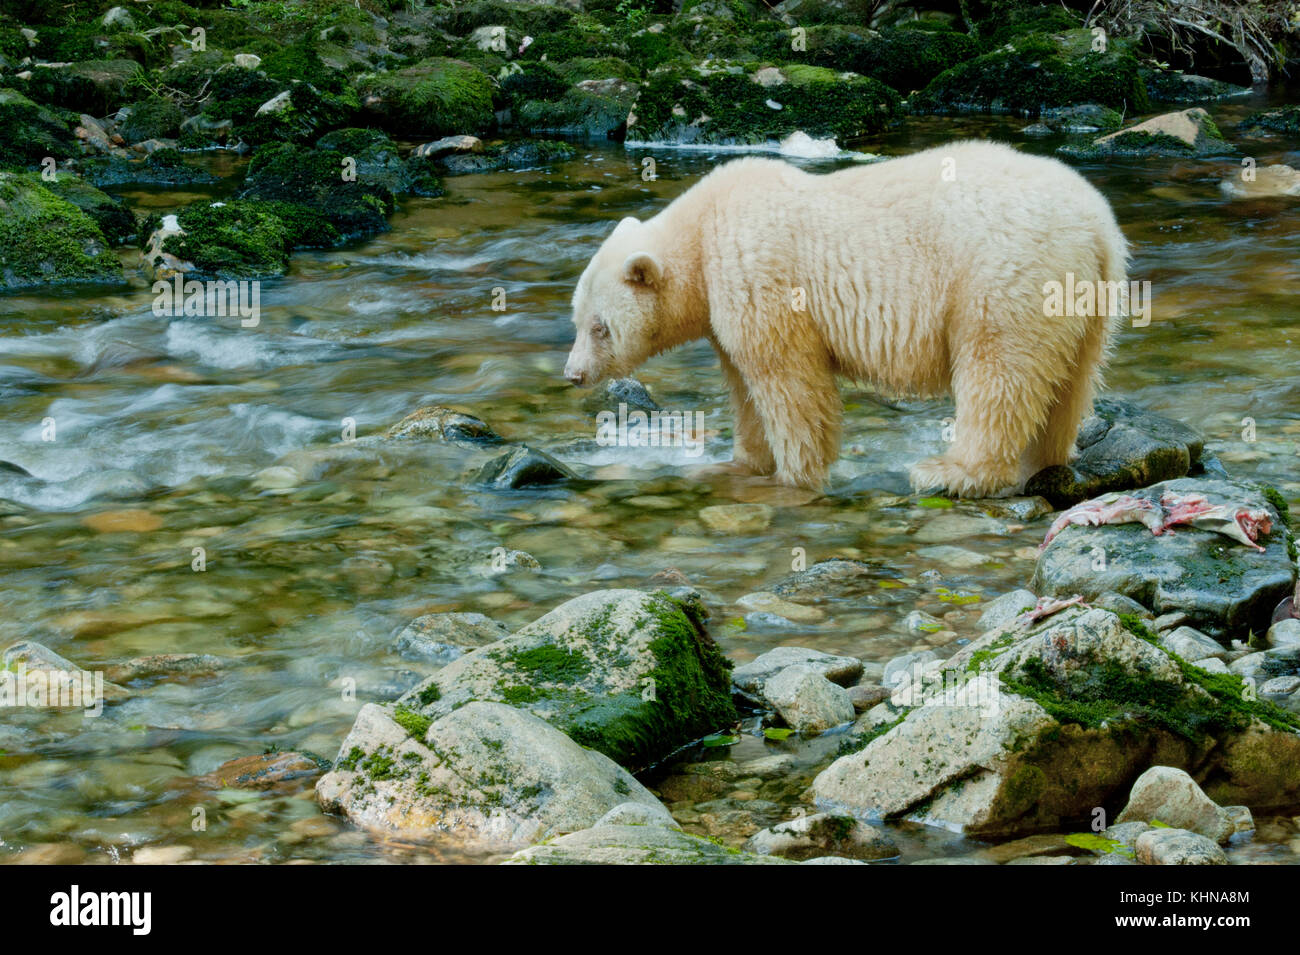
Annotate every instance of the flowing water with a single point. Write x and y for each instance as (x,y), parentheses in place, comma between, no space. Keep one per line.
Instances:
(162,425)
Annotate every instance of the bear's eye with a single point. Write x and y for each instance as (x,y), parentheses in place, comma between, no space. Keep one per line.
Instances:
(599,329)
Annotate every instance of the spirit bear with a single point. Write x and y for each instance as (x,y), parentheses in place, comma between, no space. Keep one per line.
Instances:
(922,275)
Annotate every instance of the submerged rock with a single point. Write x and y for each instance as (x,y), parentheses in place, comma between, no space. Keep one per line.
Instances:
(485,773)
(523,467)
(1266,182)
(448,424)
(1221,586)
(823,834)
(620,391)
(1033,725)
(635,845)
(442,637)
(279,772)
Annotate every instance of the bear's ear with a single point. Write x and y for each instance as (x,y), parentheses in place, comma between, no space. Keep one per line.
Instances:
(642,268)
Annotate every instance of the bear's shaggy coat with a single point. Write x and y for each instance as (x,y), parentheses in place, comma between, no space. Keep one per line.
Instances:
(920,275)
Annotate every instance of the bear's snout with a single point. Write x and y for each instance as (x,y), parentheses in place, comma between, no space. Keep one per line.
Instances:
(574,372)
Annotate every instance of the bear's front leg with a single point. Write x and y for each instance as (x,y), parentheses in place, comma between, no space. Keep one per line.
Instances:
(800,411)
(749,447)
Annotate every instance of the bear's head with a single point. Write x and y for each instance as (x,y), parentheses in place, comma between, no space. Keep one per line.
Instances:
(617,307)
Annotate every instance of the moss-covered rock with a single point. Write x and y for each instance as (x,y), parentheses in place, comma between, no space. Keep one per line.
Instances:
(29,133)
(320,180)
(1189,133)
(1038,72)
(154,118)
(1033,726)
(630,674)
(1172,86)
(46,240)
(163,167)
(735,105)
(231,240)
(1223,587)
(298,115)
(491,774)
(904,58)
(436,97)
(1285,120)
(114,219)
(97,87)
(591,108)
(525,154)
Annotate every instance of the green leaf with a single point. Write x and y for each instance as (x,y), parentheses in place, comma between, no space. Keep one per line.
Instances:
(776,733)
(939,503)
(720,739)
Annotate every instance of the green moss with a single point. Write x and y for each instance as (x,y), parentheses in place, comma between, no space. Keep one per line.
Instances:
(97,87)
(1106,693)
(114,219)
(45,239)
(235,240)
(1039,72)
(436,97)
(29,133)
(1284,120)
(152,118)
(551,664)
(815,100)
(314,179)
(429,694)
(415,724)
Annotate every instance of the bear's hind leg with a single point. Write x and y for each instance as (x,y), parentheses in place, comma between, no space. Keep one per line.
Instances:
(997,415)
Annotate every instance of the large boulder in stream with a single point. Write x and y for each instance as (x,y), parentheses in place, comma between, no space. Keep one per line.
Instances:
(487,773)
(1036,724)
(1222,586)
(524,737)
(46,240)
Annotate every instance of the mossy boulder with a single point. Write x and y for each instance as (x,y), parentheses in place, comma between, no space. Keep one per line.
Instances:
(903,58)
(590,108)
(736,105)
(632,675)
(29,133)
(1033,726)
(487,775)
(154,118)
(230,240)
(376,158)
(113,217)
(1035,73)
(97,87)
(1189,133)
(1173,86)
(436,97)
(320,180)
(524,154)
(1285,120)
(298,114)
(46,240)
(163,167)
